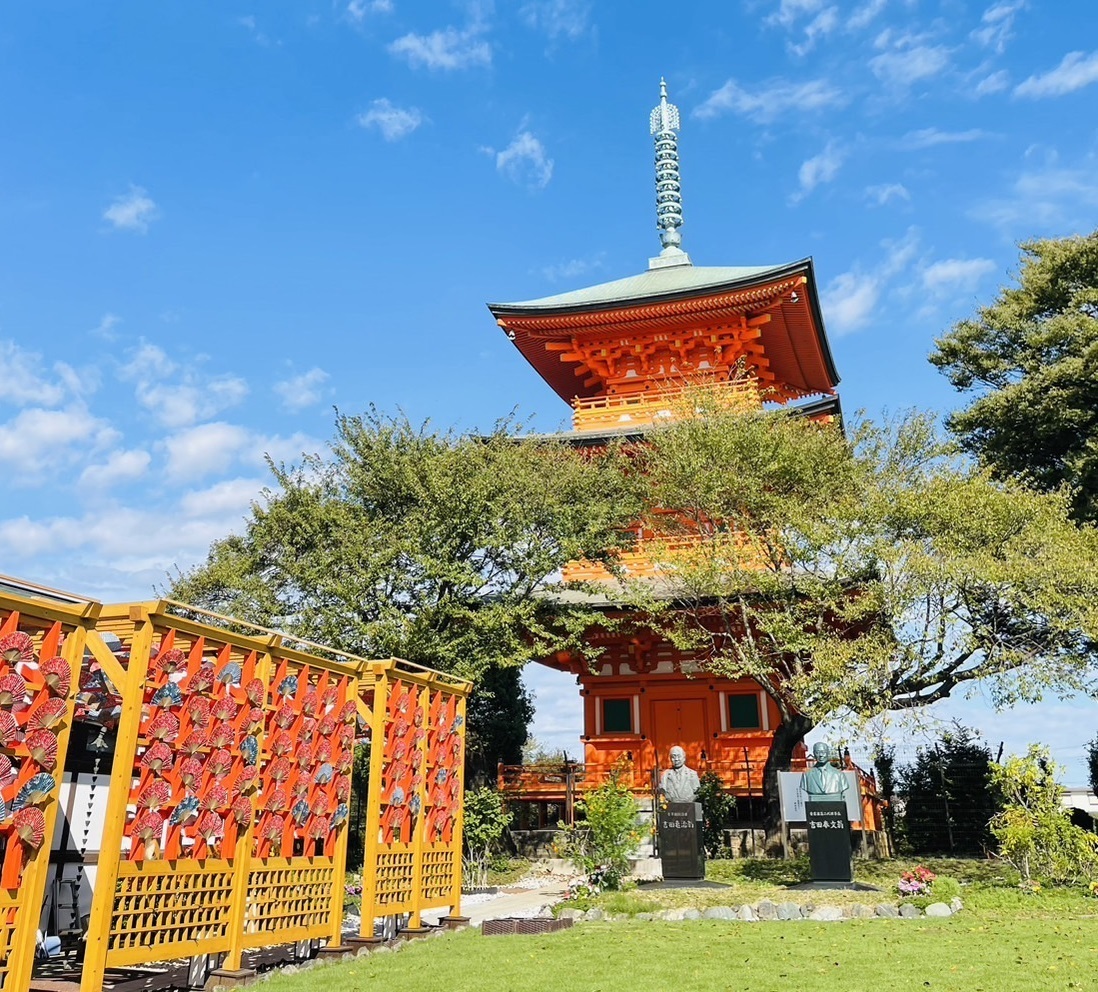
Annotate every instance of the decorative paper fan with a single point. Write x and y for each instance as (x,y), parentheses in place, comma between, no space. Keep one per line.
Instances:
(400,751)
(278,801)
(441,775)
(285,717)
(4,811)
(282,744)
(331,694)
(300,789)
(346,736)
(219,763)
(167,695)
(42,745)
(158,758)
(303,759)
(216,797)
(9,729)
(163,727)
(400,728)
(190,770)
(345,760)
(198,709)
(280,770)
(300,812)
(319,805)
(6,767)
(348,711)
(156,795)
(417,717)
(242,810)
(94,680)
(57,675)
(246,780)
(30,825)
(417,781)
(171,661)
(48,714)
(210,826)
(340,814)
(223,708)
(308,728)
(231,674)
(343,788)
(16,647)
(288,686)
(13,688)
(222,735)
(319,827)
(397,798)
(327,725)
(185,811)
(195,741)
(255,717)
(415,804)
(272,827)
(324,774)
(323,752)
(249,750)
(202,679)
(310,703)
(35,791)
(458,721)
(148,826)
(256,692)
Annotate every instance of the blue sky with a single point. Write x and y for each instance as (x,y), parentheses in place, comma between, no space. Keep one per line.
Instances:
(219,220)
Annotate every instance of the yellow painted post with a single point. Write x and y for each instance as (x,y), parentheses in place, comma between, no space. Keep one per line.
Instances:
(459,817)
(106,878)
(33,880)
(380,675)
(242,864)
(418,836)
(339,882)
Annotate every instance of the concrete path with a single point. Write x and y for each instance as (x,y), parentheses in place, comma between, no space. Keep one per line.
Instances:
(510,901)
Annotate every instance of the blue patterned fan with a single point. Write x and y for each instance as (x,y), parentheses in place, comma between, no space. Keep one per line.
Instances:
(415,804)
(288,686)
(3,809)
(458,721)
(339,815)
(398,796)
(300,812)
(249,748)
(36,790)
(186,810)
(442,775)
(231,674)
(167,695)
(324,774)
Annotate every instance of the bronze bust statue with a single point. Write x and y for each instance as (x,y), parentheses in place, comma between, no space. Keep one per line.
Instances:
(824,783)
(679,784)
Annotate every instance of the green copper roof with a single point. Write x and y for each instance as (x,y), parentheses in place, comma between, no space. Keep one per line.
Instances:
(655,283)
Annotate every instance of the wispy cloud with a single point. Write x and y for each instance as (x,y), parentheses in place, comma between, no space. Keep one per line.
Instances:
(118,467)
(259,36)
(134,210)
(864,15)
(447,49)
(851,298)
(823,24)
(175,395)
(884,193)
(359,10)
(956,274)
(25,381)
(573,268)
(391,121)
(302,391)
(525,161)
(37,442)
(996,82)
(769,101)
(997,24)
(1043,200)
(821,168)
(558,19)
(928,137)
(105,328)
(903,67)
(1076,70)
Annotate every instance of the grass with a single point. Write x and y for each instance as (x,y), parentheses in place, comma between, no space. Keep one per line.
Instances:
(507,871)
(968,952)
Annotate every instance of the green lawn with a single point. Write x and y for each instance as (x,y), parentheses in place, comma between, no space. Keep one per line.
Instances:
(964,953)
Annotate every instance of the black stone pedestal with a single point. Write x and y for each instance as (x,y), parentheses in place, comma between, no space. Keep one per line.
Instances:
(682,852)
(829,849)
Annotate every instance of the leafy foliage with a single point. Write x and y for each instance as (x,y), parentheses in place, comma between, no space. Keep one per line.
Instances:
(1092,764)
(1034,830)
(1031,358)
(485,819)
(717,808)
(602,843)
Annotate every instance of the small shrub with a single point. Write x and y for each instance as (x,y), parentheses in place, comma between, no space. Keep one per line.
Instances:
(485,821)
(717,807)
(945,889)
(600,847)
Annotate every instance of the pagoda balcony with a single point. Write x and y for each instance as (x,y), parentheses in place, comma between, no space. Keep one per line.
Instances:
(613,412)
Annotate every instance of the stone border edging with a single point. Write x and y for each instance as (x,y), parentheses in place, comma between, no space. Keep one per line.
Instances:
(767,910)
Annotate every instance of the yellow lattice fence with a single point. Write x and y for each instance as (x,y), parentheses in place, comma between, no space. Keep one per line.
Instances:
(289,899)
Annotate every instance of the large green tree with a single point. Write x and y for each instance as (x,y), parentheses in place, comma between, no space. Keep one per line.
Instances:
(1030,359)
(436,547)
(863,574)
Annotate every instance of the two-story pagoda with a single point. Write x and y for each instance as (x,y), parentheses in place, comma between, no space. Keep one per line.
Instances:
(621,353)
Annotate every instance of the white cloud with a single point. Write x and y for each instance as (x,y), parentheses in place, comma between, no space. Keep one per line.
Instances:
(996,25)
(1076,70)
(558,18)
(928,137)
(447,49)
(119,466)
(956,274)
(789,12)
(392,121)
(25,383)
(525,162)
(822,168)
(179,396)
(864,15)
(359,10)
(230,496)
(903,68)
(773,99)
(573,268)
(301,391)
(885,193)
(849,300)
(819,27)
(207,449)
(994,83)
(281,449)
(37,441)
(1043,200)
(132,211)
(105,328)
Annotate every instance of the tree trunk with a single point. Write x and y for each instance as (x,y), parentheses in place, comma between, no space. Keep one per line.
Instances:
(789,733)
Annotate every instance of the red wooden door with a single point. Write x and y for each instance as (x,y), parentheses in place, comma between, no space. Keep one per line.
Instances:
(682,722)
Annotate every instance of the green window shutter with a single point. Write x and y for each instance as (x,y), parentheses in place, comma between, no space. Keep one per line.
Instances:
(617,716)
(743,711)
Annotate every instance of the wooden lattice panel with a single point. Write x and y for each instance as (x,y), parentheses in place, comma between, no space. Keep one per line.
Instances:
(289,899)
(9,908)
(166,910)
(395,885)
(437,882)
